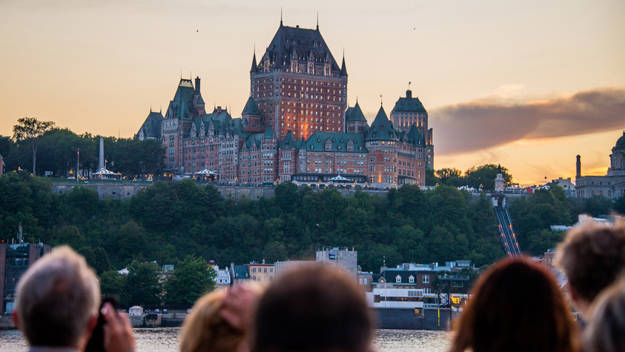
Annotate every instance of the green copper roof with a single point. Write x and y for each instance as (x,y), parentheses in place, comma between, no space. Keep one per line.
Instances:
(355,114)
(335,142)
(268,133)
(413,136)
(381,128)
(181,107)
(620,143)
(253,140)
(251,108)
(289,142)
(409,104)
(297,43)
(152,125)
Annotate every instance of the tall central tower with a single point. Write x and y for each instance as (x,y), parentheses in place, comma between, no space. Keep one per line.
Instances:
(298,85)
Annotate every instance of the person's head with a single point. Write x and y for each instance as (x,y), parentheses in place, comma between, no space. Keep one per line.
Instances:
(57,300)
(592,257)
(607,321)
(205,330)
(313,307)
(516,305)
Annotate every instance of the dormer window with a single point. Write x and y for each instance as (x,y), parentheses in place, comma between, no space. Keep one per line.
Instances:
(411,279)
(398,279)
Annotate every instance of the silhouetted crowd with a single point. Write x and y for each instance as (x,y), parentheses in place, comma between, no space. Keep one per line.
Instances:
(516,305)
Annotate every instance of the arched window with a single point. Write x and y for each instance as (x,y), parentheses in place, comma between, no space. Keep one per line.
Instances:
(411,279)
(398,278)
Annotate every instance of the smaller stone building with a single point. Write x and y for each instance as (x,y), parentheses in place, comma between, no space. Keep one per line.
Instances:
(612,185)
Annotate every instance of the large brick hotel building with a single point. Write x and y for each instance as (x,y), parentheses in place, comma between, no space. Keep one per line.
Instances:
(296,125)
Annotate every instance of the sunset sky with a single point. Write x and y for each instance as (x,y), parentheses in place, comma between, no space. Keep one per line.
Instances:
(526,84)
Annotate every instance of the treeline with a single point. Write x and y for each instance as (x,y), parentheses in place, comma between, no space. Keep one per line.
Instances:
(168,222)
(57,152)
(478,177)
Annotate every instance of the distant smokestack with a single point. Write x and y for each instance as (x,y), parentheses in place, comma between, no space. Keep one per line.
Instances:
(578,166)
(101,160)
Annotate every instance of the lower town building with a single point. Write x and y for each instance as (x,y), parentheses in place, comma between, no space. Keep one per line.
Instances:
(611,185)
(261,272)
(342,257)
(15,259)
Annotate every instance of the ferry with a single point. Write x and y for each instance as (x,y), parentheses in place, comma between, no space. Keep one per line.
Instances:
(414,309)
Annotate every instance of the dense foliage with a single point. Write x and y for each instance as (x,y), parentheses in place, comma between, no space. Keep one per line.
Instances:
(57,151)
(480,177)
(170,221)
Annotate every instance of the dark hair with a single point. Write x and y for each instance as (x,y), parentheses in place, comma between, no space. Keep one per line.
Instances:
(607,321)
(592,256)
(313,307)
(516,305)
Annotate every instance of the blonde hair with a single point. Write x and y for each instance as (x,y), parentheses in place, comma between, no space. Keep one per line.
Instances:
(56,298)
(205,330)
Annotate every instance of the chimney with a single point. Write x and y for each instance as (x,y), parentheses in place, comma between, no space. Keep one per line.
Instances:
(578,166)
(197,83)
(408,94)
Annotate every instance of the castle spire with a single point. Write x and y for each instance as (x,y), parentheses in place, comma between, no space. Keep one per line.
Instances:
(343,67)
(280,17)
(317,20)
(254,65)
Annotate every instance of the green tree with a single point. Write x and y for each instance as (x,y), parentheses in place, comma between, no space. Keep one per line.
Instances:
(484,176)
(29,129)
(192,278)
(141,285)
(5,146)
(450,176)
(112,284)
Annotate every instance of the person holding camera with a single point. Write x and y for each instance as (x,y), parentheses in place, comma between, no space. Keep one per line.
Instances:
(57,303)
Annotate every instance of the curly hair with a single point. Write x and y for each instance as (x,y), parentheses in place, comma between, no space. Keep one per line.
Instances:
(592,256)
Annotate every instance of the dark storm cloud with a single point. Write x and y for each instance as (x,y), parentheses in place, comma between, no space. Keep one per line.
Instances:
(474,126)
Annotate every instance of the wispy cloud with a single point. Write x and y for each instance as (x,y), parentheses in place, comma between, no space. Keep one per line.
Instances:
(477,125)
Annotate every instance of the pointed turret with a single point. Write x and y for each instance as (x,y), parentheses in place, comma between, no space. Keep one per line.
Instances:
(343,67)
(381,129)
(254,64)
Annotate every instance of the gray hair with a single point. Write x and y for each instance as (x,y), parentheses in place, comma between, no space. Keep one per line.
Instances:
(607,321)
(56,298)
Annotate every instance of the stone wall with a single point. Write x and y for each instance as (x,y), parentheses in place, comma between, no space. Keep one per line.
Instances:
(128,190)
(105,190)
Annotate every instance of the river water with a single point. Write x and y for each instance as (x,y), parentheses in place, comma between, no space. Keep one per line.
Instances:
(166,340)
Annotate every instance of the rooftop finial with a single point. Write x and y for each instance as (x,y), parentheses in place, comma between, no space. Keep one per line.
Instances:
(280,17)
(317,20)
(381,102)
